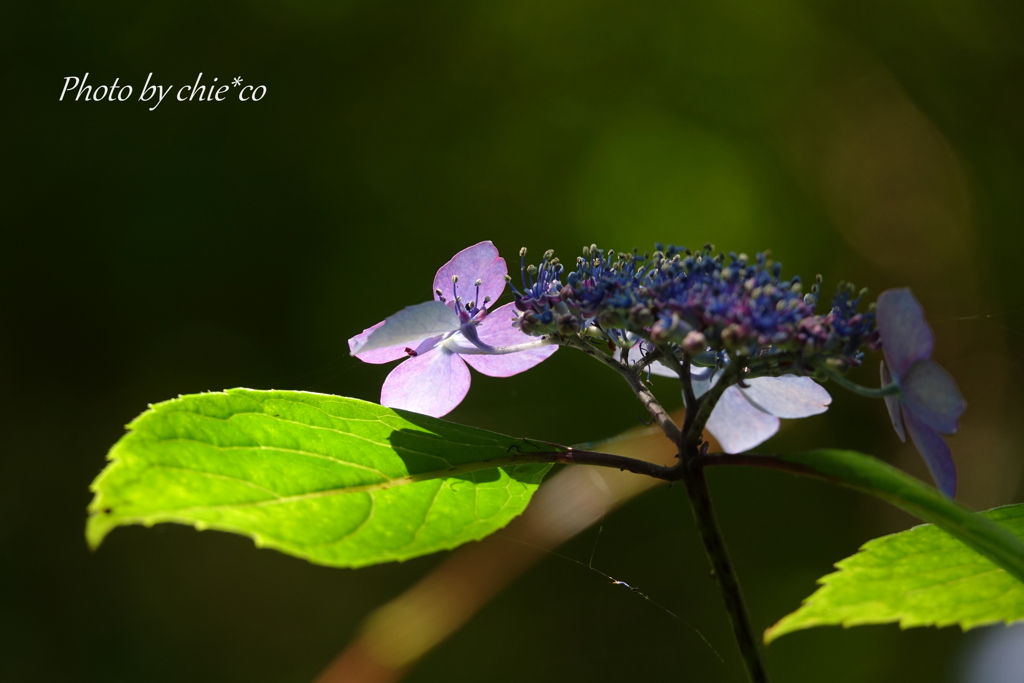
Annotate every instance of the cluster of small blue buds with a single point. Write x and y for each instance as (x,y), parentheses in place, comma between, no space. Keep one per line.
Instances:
(691,302)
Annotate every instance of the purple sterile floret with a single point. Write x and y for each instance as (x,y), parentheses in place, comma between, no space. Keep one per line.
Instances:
(439,337)
(929,402)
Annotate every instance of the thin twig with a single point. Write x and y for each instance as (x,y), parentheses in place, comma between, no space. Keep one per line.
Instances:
(645,395)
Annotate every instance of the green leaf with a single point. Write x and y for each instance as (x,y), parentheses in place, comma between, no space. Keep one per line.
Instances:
(920,577)
(333,480)
(881,480)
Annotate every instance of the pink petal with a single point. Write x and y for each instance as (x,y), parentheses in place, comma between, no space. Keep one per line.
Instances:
(478,262)
(433,383)
(496,330)
(906,336)
(738,425)
(377,356)
(788,396)
(892,404)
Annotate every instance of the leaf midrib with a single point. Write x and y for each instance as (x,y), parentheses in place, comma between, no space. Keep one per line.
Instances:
(362,488)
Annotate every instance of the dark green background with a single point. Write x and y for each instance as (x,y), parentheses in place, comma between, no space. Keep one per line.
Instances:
(210,245)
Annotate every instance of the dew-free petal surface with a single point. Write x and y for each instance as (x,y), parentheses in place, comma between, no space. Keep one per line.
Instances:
(932,395)
(906,336)
(738,425)
(702,380)
(496,330)
(411,324)
(788,396)
(892,404)
(478,262)
(634,355)
(935,452)
(432,384)
(376,356)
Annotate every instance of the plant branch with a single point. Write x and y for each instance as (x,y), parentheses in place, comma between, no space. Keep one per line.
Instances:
(573,456)
(718,556)
(645,395)
(695,428)
(689,398)
(690,470)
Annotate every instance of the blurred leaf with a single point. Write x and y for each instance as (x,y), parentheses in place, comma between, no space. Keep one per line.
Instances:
(333,480)
(881,480)
(920,577)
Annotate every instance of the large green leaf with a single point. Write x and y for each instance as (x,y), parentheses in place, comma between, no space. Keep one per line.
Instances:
(920,577)
(874,477)
(333,480)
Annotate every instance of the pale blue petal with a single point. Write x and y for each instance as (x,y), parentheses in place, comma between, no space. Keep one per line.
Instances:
(788,396)
(702,379)
(738,425)
(381,355)
(634,354)
(661,370)
(411,324)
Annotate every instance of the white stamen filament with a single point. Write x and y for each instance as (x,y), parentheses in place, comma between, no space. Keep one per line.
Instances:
(454,346)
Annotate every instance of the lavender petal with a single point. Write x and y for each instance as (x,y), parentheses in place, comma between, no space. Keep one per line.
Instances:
(906,336)
(496,330)
(409,325)
(432,384)
(385,354)
(478,262)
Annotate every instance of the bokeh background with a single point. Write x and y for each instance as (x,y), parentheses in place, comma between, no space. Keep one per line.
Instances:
(202,246)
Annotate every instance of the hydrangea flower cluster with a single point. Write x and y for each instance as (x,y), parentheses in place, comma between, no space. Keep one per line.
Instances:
(693,300)
(689,315)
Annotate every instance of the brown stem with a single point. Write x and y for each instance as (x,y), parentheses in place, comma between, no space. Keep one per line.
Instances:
(645,395)
(714,546)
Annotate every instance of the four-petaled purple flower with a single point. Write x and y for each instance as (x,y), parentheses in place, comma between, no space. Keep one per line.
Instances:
(928,403)
(440,337)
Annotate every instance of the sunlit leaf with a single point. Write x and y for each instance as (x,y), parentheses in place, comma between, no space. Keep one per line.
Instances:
(920,577)
(874,477)
(333,480)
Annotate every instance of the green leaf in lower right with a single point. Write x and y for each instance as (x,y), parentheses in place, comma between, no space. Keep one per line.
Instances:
(919,577)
